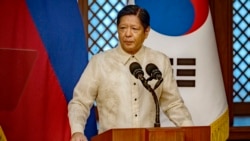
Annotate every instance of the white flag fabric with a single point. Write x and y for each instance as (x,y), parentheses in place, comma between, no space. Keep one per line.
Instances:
(184,31)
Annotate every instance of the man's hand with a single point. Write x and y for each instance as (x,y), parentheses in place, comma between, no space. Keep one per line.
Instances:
(78,137)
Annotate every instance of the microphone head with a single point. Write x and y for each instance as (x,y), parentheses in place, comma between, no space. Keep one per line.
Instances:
(153,71)
(136,69)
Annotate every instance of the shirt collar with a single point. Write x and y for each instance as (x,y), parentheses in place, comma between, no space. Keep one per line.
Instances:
(125,57)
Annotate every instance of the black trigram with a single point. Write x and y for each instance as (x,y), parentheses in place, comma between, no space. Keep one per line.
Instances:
(185,71)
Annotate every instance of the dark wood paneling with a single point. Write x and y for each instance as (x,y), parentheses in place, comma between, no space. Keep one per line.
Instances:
(241,109)
(222,19)
(239,134)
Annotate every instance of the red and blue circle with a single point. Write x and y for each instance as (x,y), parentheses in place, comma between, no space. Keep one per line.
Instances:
(175,17)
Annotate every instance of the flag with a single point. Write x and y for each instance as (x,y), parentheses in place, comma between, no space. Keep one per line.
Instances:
(183,30)
(43,53)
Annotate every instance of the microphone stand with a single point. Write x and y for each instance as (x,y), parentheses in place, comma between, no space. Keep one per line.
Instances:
(157,116)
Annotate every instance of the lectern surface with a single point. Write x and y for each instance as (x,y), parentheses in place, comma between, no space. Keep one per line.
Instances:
(195,133)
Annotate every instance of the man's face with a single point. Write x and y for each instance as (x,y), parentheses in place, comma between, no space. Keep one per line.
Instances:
(131,33)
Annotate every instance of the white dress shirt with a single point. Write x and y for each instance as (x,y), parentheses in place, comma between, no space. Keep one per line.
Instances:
(122,100)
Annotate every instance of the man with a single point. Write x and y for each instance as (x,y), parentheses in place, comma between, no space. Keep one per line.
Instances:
(122,100)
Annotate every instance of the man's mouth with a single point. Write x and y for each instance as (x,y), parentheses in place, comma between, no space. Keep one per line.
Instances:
(128,42)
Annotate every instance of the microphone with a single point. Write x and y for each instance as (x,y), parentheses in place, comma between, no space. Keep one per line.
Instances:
(154,73)
(136,69)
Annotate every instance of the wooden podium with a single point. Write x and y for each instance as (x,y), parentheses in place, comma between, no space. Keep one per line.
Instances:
(194,133)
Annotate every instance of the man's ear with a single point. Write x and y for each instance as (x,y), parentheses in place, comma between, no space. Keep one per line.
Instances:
(147,30)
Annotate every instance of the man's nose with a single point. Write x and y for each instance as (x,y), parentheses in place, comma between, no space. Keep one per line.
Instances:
(128,32)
